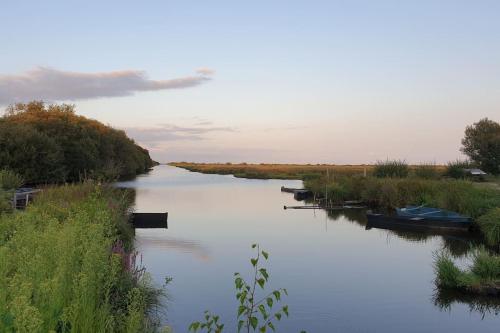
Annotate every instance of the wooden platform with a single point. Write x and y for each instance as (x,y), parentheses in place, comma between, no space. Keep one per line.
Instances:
(149,220)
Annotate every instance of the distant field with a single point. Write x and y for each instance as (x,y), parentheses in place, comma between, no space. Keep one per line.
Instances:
(274,171)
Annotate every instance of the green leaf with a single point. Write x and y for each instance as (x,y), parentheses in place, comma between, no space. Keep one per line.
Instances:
(263,271)
(253,246)
(278,316)
(285,291)
(277,295)
(285,310)
(262,310)
(262,329)
(261,283)
(254,322)
(265,254)
(194,326)
(240,325)
(241,309)
(253,261)
(271,326)
(269,301)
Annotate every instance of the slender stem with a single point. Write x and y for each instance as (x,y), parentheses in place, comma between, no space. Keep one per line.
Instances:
(252,302)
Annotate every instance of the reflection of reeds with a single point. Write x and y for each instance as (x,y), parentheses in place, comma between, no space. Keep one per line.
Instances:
(484,305)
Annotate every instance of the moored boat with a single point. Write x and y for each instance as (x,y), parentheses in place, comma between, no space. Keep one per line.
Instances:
(415,223)
(430,213)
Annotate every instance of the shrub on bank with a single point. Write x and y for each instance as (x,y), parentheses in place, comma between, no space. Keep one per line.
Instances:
(67,265)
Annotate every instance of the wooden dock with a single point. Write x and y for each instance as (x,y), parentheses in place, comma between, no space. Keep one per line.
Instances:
(149,220)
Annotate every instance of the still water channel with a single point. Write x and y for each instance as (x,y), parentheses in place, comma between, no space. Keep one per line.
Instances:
(340,276)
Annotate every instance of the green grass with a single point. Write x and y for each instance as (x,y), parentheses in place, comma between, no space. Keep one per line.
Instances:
(482,275)
(490,226)
(67,265)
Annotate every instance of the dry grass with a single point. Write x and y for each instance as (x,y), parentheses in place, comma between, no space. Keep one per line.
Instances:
(276,171)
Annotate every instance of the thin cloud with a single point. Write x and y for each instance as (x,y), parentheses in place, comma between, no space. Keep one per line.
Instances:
(205,71)
(43,83)
(153,136)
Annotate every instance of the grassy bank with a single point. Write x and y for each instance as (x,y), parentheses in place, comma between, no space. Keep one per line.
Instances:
(67,265)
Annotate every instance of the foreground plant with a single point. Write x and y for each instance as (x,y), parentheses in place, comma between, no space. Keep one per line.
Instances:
(254,313)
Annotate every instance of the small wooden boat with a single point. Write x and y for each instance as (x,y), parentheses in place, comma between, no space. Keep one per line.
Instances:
(430,213)
(414,223)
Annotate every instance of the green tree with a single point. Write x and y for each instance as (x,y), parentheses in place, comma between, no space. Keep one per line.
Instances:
(52,144)
(482,144)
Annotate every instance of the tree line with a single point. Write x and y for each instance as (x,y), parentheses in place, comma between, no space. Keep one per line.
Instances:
(51,144)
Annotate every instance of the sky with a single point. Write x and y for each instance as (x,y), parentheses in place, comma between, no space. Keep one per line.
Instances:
(344,82)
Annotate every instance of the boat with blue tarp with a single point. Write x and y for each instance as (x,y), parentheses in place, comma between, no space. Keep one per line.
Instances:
(431,213)
(420,218)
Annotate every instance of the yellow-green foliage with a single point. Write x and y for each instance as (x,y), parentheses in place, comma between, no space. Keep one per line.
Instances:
(57,268)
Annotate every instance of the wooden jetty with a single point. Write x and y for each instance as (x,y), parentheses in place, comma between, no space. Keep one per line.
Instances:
(149,220)
(298,193)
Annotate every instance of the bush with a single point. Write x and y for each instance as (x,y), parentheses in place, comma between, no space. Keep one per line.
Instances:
(392,169)
(9,180)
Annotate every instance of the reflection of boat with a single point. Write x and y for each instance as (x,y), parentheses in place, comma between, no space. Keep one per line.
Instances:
(431,214)
(415,223)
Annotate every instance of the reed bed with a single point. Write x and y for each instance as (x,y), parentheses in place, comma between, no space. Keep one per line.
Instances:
(67,265)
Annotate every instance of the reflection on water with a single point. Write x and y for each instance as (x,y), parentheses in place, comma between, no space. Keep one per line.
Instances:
(485,305)
(160,240)
(340,276)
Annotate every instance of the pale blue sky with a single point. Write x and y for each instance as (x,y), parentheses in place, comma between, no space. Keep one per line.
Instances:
(295,81)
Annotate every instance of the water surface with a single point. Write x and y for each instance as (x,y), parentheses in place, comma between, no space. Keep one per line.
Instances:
(340,277)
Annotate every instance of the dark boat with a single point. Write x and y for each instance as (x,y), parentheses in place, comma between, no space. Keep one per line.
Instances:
(430,213)
(414,223)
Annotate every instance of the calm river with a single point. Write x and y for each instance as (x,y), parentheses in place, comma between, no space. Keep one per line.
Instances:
(340,277)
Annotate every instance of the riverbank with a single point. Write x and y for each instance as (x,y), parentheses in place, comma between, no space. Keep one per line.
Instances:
(274,171)
(67,263)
